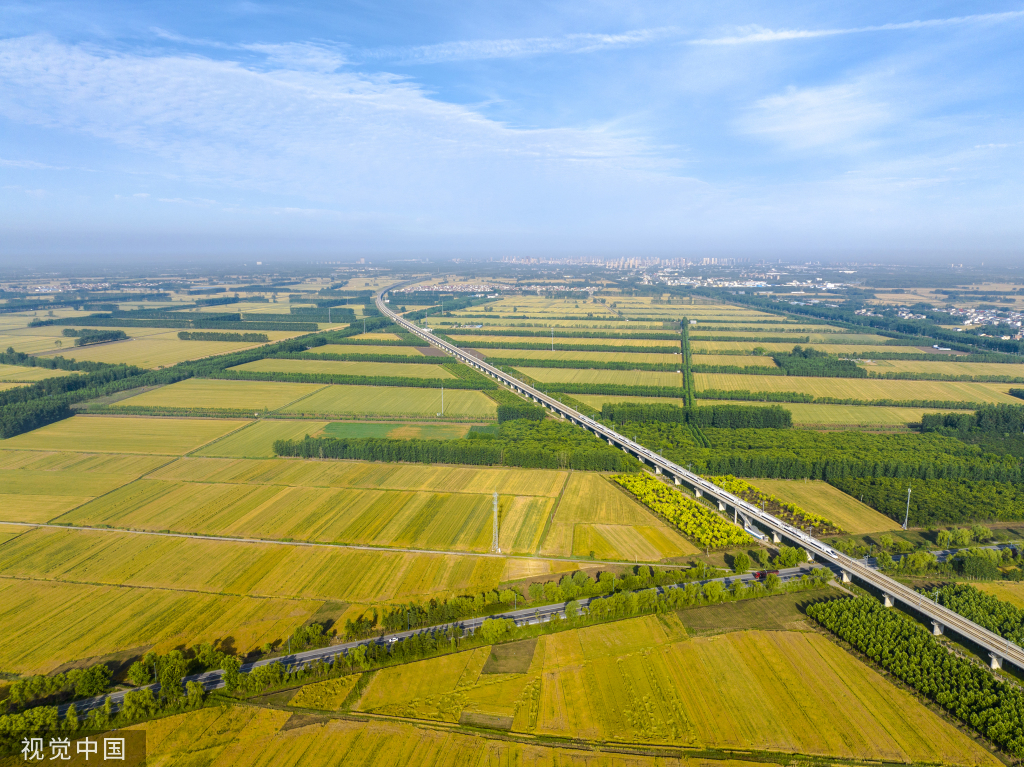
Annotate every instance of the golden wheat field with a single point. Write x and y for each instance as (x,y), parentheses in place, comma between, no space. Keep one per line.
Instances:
(257,439)
(95,621)
(618,377)
(238,568)
(17,373)
(395,401)
(344,368)
(643,681)
(860,388)
(595,516)
(249,736)
(821,498)
(422,520)
(118,434)
(215,393)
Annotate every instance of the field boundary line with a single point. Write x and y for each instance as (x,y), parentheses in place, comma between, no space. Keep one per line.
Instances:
(245,425)
(316,544)
(161,588)
(551,517)
(299,399)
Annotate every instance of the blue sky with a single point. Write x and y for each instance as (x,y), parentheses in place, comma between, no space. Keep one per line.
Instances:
(833,129)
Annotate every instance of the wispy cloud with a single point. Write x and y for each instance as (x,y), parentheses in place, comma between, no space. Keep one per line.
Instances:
(803,118)
(756,34)
(466,50)
(326,135)
(29,165)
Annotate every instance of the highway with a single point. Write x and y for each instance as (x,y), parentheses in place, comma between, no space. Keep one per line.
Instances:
(526,616)
(999,649)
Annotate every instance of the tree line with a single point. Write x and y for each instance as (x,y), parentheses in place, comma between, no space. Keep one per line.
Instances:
(86,337)
(524,443)
(905,649)
(716,416)
(253,338)
(811,362)
(800,454)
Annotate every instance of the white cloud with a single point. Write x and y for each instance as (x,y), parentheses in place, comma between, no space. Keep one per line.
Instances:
(833,116)
(337,136)
(757,34)
(465,50)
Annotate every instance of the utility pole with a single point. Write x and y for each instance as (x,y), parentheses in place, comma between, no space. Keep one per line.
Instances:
(494,539)
(907,518)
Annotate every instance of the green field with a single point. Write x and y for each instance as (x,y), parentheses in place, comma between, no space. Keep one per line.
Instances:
(618,377)
(113,434)
(336,367)
(395,401)
(823,499)
(215,393)
(357,430)
(860,388)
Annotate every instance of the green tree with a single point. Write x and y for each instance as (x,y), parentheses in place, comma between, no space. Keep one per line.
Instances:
(772,582)
(71,719)
(230,665)
(572,609)
(194,694)
(713,591)
(139,674)
(741,563)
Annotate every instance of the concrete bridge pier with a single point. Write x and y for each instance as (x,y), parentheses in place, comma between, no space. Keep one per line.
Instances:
(776,538)
(678,481)
(697,492)
(844,576)
(937,628)
(721,506)
(995,661)
(810,555)
(610,442)
(657,470)
(888,600)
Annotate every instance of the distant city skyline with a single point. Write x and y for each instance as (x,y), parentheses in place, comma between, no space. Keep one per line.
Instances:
(861,131)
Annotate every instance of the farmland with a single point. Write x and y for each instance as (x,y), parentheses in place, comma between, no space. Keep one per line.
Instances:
(244,737)
(821,498)
(395,401)
(601,518)
(407,351)
(859,388)
(101,620)
(18,374)
(336,367)
(619,377)
(111,434)
(669,345)
(881,367)
(632,357)
(643,681)
(257,439)
(438,521)
(213,393)
(240,569)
